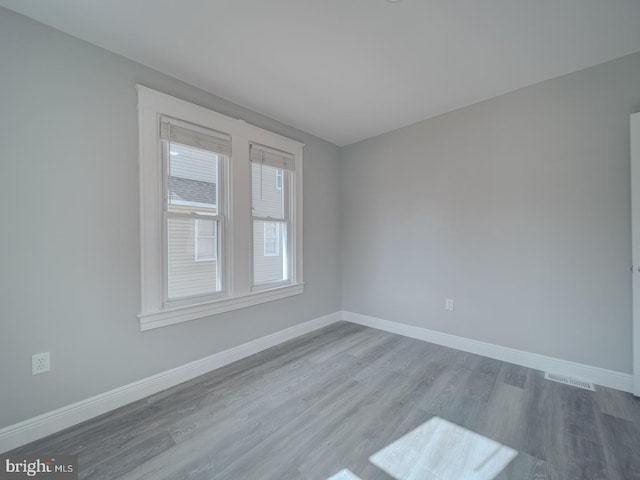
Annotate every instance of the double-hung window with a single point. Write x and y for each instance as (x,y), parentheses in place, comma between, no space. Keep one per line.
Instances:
(221,212)
(193,161)
(271,215)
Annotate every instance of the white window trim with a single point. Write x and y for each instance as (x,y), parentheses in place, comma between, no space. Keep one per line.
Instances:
(155,312)
(279,178)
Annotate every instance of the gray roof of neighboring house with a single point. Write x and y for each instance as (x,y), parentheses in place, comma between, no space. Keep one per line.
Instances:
(189,190)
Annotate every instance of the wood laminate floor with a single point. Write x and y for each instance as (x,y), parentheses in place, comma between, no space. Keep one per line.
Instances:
(321,405)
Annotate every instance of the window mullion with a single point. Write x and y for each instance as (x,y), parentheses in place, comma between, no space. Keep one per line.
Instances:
(241,242)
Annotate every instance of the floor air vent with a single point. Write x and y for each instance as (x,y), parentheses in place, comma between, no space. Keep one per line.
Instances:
(569,381)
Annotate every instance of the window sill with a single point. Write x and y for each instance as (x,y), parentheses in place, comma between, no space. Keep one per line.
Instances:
(171,316)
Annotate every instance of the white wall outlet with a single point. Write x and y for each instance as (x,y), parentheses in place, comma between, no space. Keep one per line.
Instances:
(40,363)
(448,304)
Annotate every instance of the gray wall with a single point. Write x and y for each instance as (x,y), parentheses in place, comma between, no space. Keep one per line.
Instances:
(69,262)
(518,208)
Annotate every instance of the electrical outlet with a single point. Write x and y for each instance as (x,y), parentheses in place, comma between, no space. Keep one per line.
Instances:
(40,363)
(448,304)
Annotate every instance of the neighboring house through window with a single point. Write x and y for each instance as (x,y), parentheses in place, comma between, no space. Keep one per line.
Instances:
(271,239)
(205,244)
(272,215)
(193,185)
(192,157)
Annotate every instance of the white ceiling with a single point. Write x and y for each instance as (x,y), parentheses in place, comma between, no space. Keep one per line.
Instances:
(345,70)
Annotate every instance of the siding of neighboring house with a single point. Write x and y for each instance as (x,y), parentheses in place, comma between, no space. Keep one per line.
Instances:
(186,275)
(266,268)
(194,164)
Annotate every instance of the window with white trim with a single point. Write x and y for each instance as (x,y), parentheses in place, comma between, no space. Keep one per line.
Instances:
(270,215)
(192,158)
(205,249)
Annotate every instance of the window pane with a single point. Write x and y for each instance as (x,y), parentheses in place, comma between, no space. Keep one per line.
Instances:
(186,275)
(267,199)
(269,252)
(271,239)
(193,178)
(206,240)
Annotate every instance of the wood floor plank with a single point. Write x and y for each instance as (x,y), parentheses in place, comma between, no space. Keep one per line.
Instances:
(543,435)
(114,466)
(526,467)
(503,419)
(375,338)
(211,450)
(95,440)
(618,404)
(409,419)
(592,464)
(345,344)
(328,401)
(580,413)
(622,438)
(450,384)
(375,413)
(514,375)
(292,443)
(331,455)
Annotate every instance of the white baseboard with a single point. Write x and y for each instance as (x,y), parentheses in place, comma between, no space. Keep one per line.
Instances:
(599,376)
(34,428)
